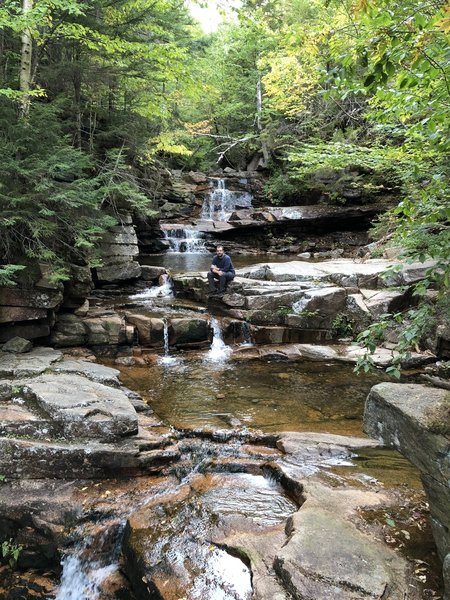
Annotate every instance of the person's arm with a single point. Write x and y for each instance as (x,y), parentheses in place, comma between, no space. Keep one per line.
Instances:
(227,266)
(214,268)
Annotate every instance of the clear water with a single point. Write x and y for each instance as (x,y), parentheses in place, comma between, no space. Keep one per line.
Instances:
(187,262)
(267,396)
(179,543)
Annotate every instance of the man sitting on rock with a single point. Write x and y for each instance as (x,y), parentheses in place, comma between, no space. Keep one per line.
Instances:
(221,270)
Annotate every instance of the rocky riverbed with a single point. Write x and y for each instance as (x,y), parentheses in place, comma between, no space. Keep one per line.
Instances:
(106,499)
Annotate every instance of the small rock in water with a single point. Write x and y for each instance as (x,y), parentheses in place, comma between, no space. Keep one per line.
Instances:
(125,361)
(17,345)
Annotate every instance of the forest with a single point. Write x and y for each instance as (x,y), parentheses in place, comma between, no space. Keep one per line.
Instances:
(269,422)
(98,97)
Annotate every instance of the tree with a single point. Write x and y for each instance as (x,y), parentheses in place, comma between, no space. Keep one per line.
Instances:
(86,88)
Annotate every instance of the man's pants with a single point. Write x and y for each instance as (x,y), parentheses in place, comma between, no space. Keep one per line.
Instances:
(222,279)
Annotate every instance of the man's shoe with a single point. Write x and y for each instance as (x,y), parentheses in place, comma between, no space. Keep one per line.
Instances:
(220,294)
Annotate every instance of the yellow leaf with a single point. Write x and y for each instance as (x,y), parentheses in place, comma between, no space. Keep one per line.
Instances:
(362,6)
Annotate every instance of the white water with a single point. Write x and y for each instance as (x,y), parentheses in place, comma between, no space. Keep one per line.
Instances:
(247,334)
(226,578)
(185,240)
(220,203)
(167,359)
(219,351)
(157,291)
(299,306)
(80,583)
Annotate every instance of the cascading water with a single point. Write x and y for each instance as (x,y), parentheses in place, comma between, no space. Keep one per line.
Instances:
(220,203)
(183,239)
(167,359)
(219,351)
(80,583)
(157,291)
(247,334)
(91,561)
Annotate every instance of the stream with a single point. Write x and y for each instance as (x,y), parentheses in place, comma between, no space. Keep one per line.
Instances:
(248,437)
(175,532)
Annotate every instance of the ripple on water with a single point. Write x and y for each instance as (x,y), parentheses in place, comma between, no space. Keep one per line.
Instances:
(181,552)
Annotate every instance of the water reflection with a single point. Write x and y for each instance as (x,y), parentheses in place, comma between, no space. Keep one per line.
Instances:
(267,396)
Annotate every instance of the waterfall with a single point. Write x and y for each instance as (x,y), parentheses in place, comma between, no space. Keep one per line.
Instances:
(157,291)
(167,359)
(219,351)
(80,583)
(246,334)
(185,240)
(220,203)
(91,560)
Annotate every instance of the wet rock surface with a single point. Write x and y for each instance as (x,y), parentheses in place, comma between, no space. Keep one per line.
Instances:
(230,511)
(312,302)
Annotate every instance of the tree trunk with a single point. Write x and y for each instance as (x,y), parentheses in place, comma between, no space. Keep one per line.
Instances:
(77,96)
(26,56)
(264,149)
(258,104)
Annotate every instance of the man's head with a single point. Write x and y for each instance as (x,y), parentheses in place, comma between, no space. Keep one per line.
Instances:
(220,251)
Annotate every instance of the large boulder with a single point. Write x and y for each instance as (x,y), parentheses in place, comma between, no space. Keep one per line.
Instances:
(150,329)
(188,332)
(26,459)
(27,310)
(415,419)
(32,363)
(81,408)
(78,287)
(105,328)
(317,308)
(17,345)
(119,247)
(68,331)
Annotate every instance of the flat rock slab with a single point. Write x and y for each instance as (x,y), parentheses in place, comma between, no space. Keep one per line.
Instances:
(93,371)
(308,453)
(328,559)
(293,442)
(82,407)
(334,271)
(342,272)
(315,352)
(28,365)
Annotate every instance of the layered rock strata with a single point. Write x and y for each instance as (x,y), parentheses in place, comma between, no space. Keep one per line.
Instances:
(64,418)
(119,248)
(415,420)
